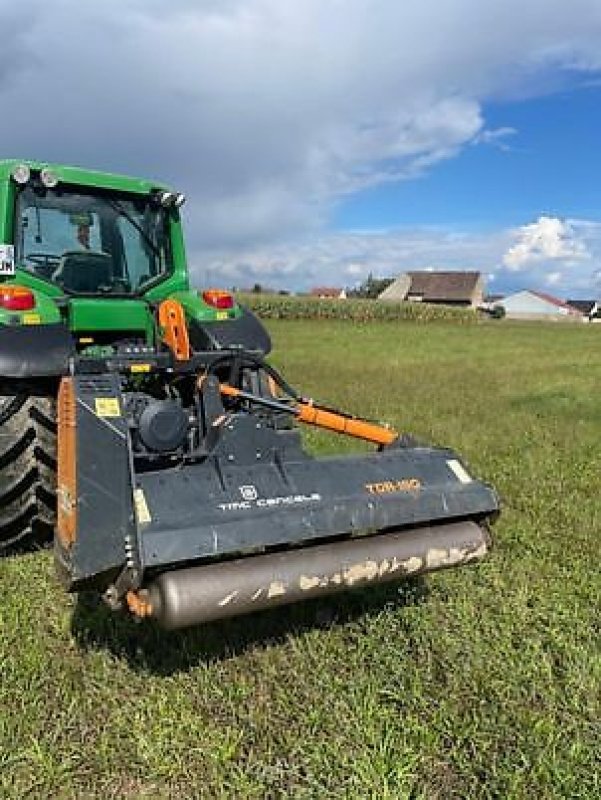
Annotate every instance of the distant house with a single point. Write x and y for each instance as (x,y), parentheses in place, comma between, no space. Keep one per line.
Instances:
(328,293)
(443,288)
(529,304)
(590,308)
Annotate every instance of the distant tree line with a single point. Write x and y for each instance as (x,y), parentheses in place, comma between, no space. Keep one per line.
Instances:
(368,290)
(371,287)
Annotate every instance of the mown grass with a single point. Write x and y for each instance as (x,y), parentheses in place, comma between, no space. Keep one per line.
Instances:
(476,683)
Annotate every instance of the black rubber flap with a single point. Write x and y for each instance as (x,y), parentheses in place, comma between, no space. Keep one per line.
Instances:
(34,350)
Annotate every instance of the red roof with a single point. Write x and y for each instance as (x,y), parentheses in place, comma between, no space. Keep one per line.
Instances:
(325,291)
(555,301)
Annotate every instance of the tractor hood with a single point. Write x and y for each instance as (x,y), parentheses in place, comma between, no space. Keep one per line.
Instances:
(110,314)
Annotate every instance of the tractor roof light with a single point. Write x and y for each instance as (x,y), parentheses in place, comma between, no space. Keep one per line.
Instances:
(218,298)
(49,178)
(168,199)
(21,174)
(16,298)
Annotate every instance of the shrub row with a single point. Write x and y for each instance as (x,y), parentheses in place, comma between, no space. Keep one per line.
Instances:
(288,307)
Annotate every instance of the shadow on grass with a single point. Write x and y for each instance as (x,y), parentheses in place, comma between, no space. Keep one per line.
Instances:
(23,549)
(147,648)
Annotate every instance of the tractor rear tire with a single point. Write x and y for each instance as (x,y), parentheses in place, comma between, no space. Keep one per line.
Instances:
(27,470)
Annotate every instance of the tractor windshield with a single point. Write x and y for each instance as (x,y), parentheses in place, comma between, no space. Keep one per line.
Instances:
(92,242)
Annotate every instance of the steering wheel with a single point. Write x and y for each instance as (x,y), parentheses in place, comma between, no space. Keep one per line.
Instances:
(45,262)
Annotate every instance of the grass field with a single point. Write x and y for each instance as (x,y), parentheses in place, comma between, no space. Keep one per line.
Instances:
(477,683)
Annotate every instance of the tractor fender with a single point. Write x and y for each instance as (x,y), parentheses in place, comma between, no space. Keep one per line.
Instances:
(34,351)
(245,331)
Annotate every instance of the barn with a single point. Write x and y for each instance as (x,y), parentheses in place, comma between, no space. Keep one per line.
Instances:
(530,304)
(449,288)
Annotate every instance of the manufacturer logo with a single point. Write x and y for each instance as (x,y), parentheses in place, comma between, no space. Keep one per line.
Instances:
(251,499)
(249,492)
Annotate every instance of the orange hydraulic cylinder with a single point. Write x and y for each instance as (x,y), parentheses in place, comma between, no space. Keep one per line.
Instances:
(330,420)
(341,424)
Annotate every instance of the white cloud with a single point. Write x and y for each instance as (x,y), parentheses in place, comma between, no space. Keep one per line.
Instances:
(265,111)
(495,136)
(554,278)
(347,258)
(354,271)
(549,239)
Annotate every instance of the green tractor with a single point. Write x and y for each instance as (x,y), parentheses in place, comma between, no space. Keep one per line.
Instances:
(142,428)
(85,260)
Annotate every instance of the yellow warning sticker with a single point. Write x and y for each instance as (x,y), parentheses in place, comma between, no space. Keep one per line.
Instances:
(107,407)
(140,368)
(141,507)
(221,315)
(31,319)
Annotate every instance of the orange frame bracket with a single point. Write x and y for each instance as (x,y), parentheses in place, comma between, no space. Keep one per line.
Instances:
(172,320)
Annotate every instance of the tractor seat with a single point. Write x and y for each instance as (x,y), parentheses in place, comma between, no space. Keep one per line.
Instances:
(84,271)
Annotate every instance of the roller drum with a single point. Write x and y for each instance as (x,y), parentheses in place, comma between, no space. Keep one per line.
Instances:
(185,597)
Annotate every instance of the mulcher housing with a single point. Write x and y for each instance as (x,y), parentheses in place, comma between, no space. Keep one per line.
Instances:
(183,492)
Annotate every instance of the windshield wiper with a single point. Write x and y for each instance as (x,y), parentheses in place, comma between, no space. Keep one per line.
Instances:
(116,206)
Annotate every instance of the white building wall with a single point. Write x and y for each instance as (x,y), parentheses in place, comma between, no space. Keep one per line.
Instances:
(526,303)
(397,291)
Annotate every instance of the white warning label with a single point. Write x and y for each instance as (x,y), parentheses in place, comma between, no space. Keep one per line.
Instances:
(7,259)
(141,507)
(460,472)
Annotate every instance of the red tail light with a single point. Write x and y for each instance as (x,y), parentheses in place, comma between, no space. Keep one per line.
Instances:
(16,298)
(218,298)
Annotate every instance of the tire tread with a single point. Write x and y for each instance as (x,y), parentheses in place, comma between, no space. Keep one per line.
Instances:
(27,470)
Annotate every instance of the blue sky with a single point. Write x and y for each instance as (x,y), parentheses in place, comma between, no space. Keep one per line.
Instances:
(321,140)
(550,164)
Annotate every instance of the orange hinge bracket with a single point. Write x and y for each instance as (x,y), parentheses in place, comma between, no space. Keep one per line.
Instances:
(172,320)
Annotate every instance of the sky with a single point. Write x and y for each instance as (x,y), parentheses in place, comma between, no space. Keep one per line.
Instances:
(318,141)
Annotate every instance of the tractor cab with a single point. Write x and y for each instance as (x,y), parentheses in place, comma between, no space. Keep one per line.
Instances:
(92,241)
(97,253)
